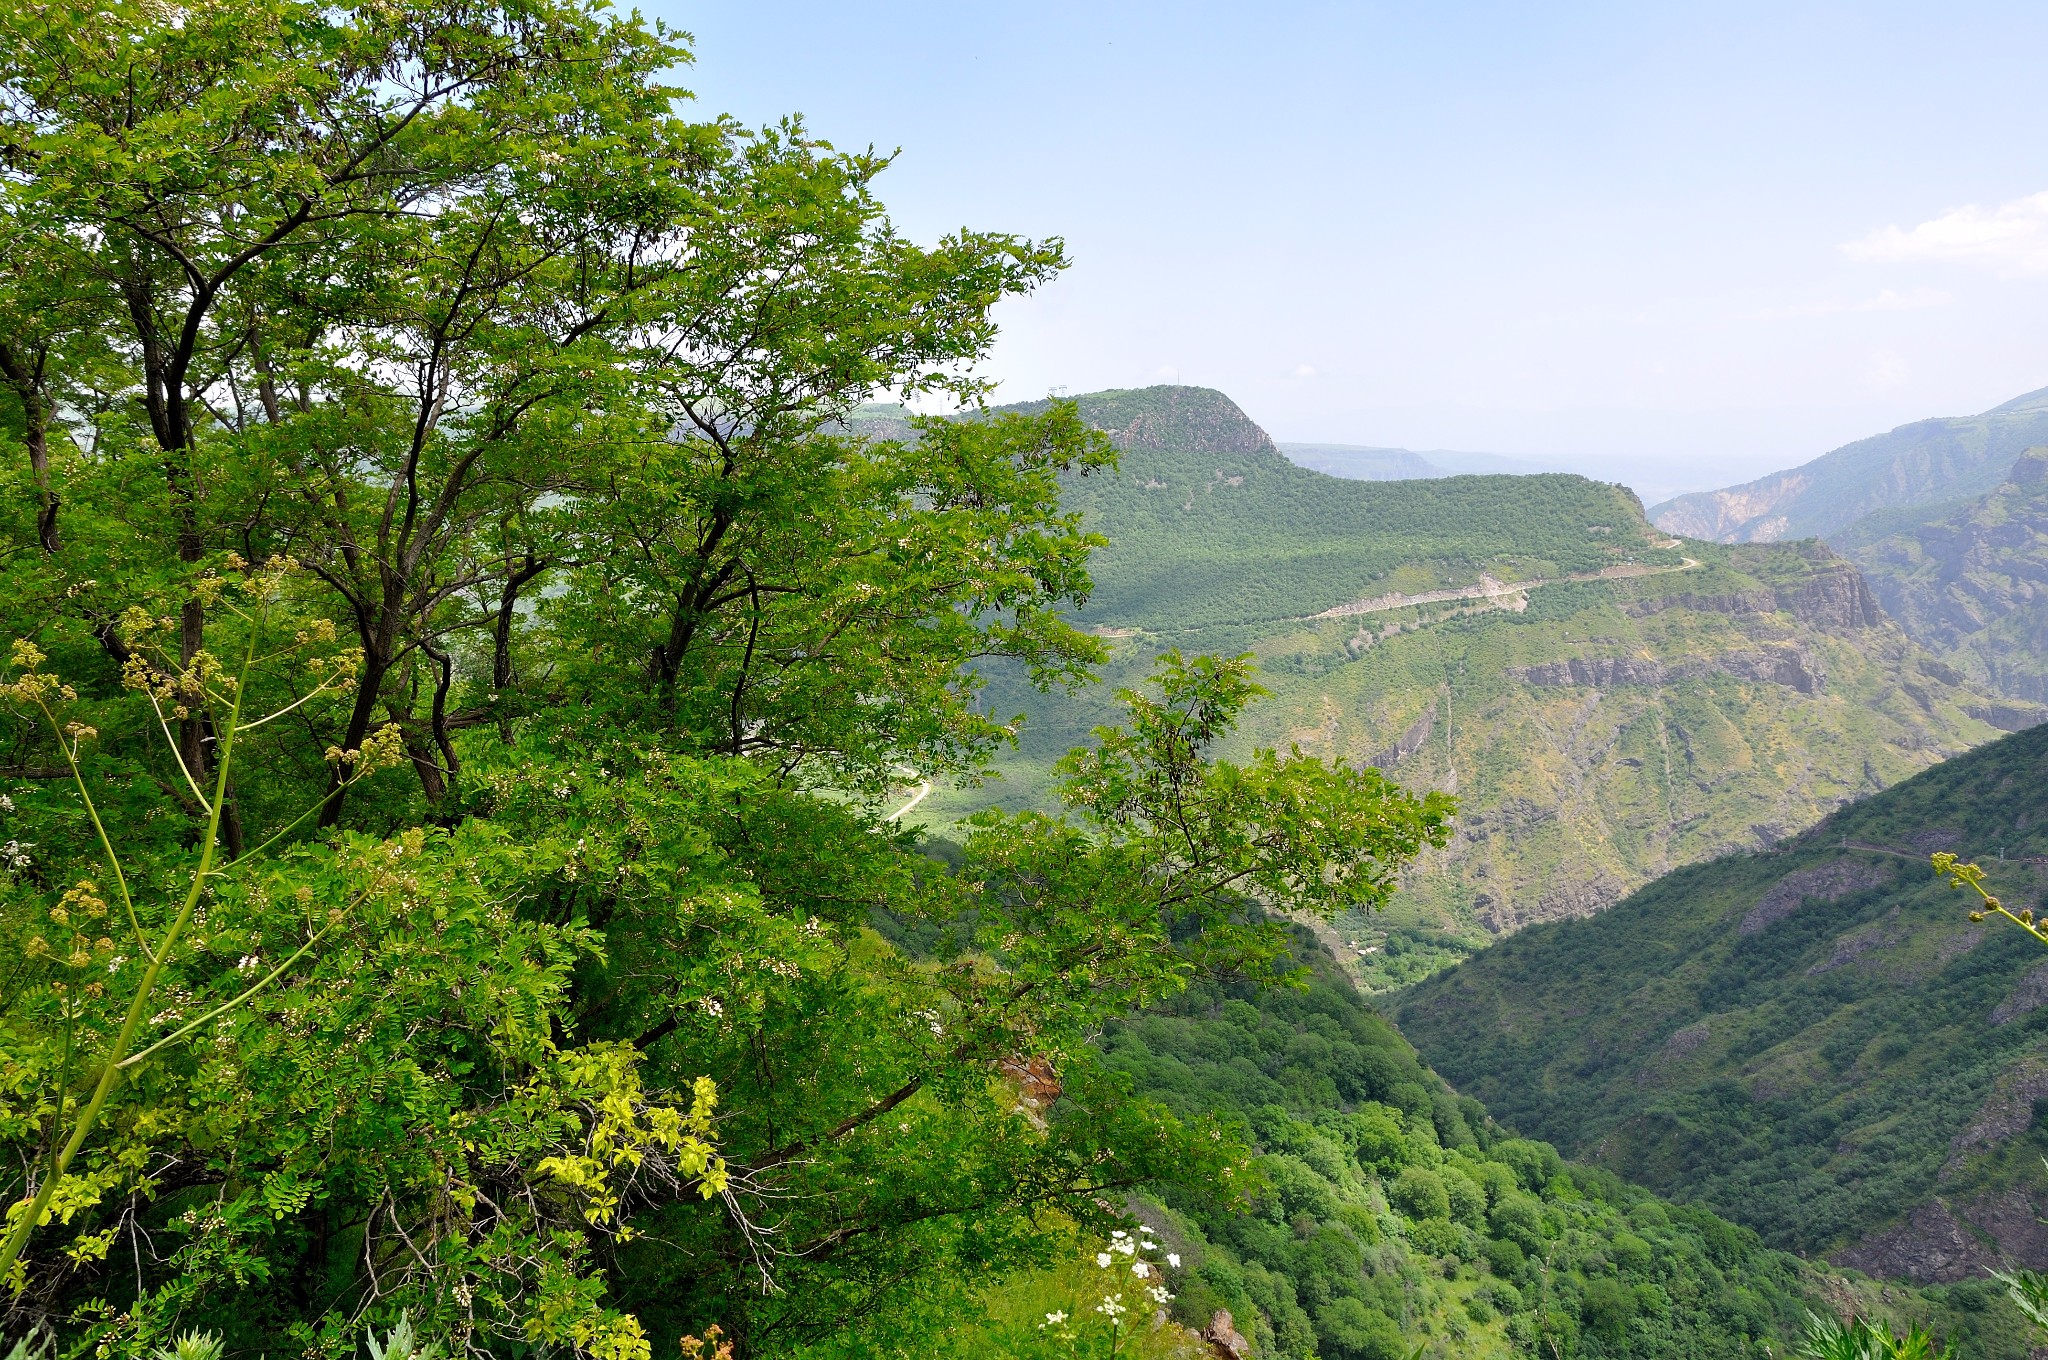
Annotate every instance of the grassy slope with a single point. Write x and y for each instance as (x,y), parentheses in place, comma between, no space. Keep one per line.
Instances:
(1928,461)
(1572,794)
(1970,580)
(1842,1075)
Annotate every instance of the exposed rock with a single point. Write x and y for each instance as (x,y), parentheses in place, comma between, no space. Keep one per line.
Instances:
(1740,602)
(1599,672)
(2029,994)
(1836,596)
(1408,743)
(2008,717)
(1877,935)
(1224,1339)
(1684,1041)
(1973,584)
(1932,1246)
(1830,882)
(1793,667)
(2008,1110)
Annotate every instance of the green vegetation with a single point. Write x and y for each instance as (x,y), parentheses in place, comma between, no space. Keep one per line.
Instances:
(1969,582)
(1394,1214)
(1817,1042)
(1694,701)
(458,664)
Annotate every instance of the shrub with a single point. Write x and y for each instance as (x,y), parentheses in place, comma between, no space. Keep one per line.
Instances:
(1419,1193)
(1348,1330)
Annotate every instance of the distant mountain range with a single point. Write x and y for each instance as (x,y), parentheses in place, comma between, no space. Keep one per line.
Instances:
(1364,462)
(1814,1040)
(1927,462)
(1607,702)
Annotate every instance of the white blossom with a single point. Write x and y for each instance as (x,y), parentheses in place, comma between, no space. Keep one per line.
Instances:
(1141,1270)
(1173,1259)
(1102,1259)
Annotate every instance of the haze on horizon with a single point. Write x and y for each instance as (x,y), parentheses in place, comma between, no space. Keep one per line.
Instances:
(1673,246)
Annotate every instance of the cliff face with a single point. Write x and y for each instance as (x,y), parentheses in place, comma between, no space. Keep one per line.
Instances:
(1972,584)
(1921,463)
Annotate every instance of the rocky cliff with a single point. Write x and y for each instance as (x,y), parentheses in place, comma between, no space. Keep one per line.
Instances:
(1971,583)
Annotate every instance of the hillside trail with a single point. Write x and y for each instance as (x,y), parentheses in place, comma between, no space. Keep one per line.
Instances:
(1488,588)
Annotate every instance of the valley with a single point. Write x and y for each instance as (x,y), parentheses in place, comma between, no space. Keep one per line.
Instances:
(1607,703)
(1815,1040)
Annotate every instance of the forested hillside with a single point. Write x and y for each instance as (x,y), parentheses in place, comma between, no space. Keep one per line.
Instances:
(1815,1041)
(1607,703)
(1927,462)
(1394,1214)
(1970,581)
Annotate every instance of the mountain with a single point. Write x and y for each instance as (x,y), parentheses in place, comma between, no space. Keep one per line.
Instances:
(1607,703)
(1362,462)
(1928,461)
(1366,462)
(1815,1041)
(1970,581)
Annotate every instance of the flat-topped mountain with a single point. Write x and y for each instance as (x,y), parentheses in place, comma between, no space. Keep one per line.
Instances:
(1816,1040)
(1928,461)
(1607,702)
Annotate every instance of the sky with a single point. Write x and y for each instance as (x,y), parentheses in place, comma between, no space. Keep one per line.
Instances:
(1675,245)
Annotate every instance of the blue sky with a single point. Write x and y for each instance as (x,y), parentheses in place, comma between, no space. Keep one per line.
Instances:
(1673,245)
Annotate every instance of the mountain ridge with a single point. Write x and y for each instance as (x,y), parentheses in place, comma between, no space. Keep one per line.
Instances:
(1814,1040)
(1927,460)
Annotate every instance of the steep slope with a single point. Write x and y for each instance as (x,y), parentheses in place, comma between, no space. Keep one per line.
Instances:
(1815,1041)
(1394,1209)
(1602,699)
(1927,461)
(1970,583)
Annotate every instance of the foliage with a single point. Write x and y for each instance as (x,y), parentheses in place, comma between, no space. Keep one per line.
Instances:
(1804,1040)
(1829,1338)
(1394,1213)
(464,654)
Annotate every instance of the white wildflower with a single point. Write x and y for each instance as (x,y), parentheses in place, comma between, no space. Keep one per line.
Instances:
(1141,1270)
(1102,1259)
(1159,1294)
(1055,1319)
(1124,1245)
(1173,1259)
(249,963)
(712,1005)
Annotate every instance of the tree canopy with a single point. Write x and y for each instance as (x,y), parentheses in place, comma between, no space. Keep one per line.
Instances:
(461,659)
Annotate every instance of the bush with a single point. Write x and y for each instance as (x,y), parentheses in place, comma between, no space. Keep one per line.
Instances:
(1519,1219)
(1608,1307)
(1533,1163)
(1419,1193)
(1348,1330)
(1468,1201)
(1503,1258)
